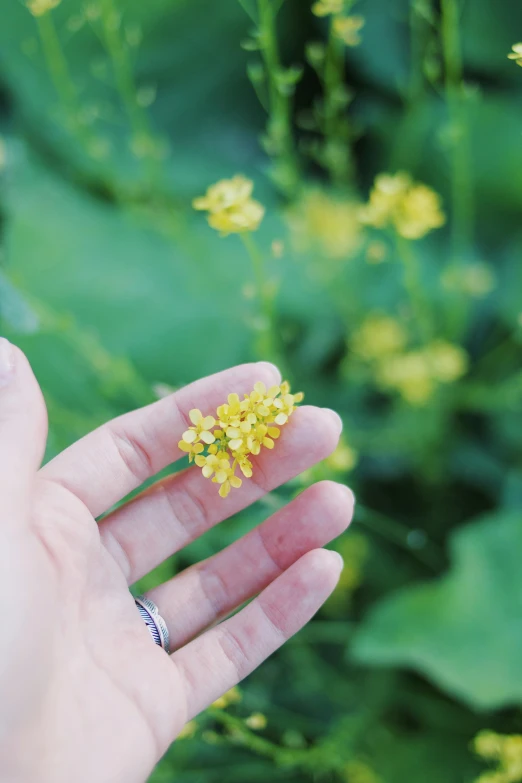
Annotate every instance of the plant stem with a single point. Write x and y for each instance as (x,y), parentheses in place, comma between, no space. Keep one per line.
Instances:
(461,184)
(60,75)
(337,154)
(280,135)
(289,757)
(399,534)
(125,84)
(412,282)
(269,340)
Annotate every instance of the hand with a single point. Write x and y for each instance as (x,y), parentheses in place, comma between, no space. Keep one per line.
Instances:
(85,694)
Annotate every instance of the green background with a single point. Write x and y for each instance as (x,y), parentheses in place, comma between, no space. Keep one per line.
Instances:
(112,289)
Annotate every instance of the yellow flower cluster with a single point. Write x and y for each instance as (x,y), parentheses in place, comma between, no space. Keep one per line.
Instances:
(516,54)
(327,7)
(379,336)
(476,279)
(381,341)
(41,7)
(412,208)
(347,29)
(325,224)
(239,430)
(415,375)
(505,751)
(230,206)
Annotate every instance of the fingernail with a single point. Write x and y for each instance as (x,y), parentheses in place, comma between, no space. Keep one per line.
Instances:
(6,362)
(335,416)
(339,559)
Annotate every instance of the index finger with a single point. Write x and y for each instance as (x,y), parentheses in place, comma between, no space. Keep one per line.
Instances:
(113,460)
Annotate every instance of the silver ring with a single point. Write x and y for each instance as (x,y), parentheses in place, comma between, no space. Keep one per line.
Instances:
(154,621)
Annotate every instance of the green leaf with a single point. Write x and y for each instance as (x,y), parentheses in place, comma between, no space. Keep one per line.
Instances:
(463,631)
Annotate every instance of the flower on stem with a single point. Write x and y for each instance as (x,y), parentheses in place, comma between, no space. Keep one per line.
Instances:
(327,7)
(347,29)
(505,751)
(381,342)
(516,54)
(413,209)
(233,696)
(378,336)
(41,7)
(415,375)
(241,428)
(257,721)
(476,279)
(327,224)
(230,206)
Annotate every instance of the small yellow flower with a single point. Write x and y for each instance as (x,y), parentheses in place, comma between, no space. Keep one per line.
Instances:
(327,7)
(278,248)
(379,336)
(201,429)
(418,212)
(233,696)
(193,439)
(347,29)
(230,206)
(447,362)
(326,224)
(516,54)
(41,7)
(225,194)
(413,209)
(224,476)
(477,279)
(376,252)
(237,220)
(257,721)
(189,730)
(192,449)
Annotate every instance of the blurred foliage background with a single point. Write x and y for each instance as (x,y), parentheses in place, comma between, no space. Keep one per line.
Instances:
(397,304)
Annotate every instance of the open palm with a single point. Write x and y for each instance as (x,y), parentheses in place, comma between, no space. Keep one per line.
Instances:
(85,694)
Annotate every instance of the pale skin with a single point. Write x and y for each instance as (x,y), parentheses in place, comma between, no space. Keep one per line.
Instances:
(85,694)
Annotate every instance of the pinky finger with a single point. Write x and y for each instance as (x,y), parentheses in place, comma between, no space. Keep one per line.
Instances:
(224,655)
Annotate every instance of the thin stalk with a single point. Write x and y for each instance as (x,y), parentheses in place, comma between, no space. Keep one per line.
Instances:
(61,77)
(397,533)
(124,79)
(338,159)
(269,340)
(293,757)
(412,282)
(461,183)
(280,132)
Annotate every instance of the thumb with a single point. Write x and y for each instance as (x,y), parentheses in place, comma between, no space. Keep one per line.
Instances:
(23,429)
